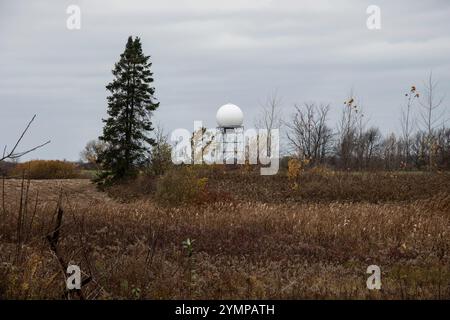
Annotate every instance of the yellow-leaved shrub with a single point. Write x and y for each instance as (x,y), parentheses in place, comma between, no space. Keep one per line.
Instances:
(46,169)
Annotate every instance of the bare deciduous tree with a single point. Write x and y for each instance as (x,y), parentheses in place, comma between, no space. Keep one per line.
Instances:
(308,132)
(431,104)
(370,144)
(390,151)
(407,122)
(348,131)
(270,117)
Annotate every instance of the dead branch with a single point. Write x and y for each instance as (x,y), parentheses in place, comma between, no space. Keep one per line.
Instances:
(15,155)
(3,197)
(53,239)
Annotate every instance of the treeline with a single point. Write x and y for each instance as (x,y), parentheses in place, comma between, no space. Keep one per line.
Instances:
(423,144)
(353,146)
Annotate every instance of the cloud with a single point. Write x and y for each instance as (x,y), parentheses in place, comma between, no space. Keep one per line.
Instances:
(207,53)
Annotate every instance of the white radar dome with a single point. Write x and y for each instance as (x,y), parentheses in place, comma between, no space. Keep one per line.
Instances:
(229,116)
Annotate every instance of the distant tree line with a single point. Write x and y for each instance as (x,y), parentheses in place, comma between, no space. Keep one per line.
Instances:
(423,144)
(125,148)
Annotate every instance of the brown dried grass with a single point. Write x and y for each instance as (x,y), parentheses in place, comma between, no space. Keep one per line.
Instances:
(313,248)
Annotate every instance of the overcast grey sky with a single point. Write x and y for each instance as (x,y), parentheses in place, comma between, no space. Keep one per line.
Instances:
(206,53)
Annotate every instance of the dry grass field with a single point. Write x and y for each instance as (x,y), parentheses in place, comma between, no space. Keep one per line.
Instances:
(253,238)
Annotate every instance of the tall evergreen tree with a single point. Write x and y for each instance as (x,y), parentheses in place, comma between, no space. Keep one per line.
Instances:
(130,108)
